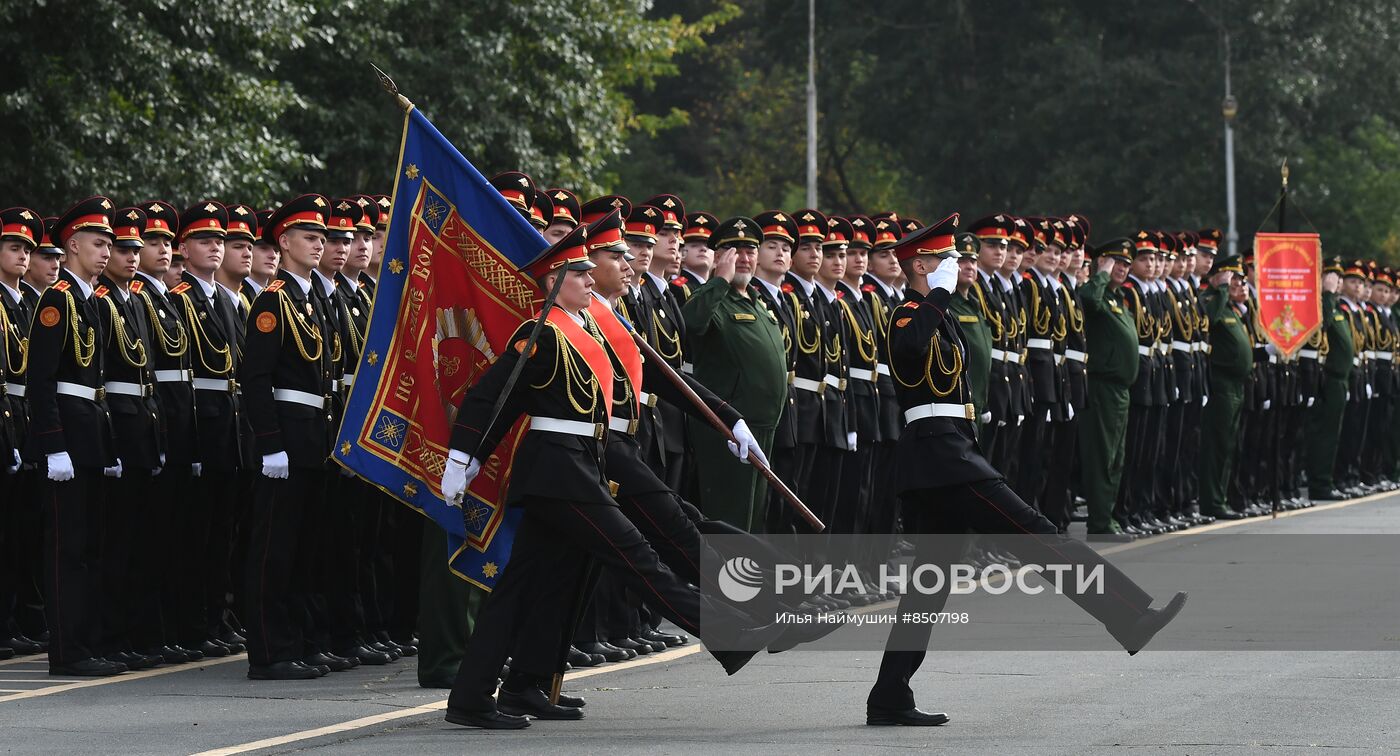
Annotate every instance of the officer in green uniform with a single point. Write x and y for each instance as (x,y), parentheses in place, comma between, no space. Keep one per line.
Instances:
(1112,337)
(738,352)
(1231,360)
(1324,420)
(977,334)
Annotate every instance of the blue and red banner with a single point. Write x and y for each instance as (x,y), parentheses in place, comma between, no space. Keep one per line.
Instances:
(449,298)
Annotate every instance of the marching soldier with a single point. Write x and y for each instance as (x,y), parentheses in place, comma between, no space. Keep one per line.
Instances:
(70,437)
(949,487)
(130,571)
(1231,363)
(287,378)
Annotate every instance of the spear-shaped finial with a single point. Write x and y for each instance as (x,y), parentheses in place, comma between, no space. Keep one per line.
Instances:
(1284,170)
(391,87)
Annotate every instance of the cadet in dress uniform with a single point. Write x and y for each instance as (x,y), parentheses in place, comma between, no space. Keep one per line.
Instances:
(570,512)
(739,353)
(1148,389)
(697,256)
(567,214)
(774,258)
(287,378)
(948,486)
(1337,353)
(1046,326)
(1231,362)
(1062,479)
(884,297)
(130,571)
(181,596)
(1354,420)
(977,335)
(210,318)
(21,230)
(666,335)
(70,437)
(993,233)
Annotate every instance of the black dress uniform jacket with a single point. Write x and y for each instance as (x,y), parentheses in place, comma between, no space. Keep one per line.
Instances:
(126,342)
(213,356)
(808,338)
(169,352)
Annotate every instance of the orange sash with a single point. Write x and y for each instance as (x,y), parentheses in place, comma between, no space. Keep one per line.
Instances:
(587,347)
(620,339)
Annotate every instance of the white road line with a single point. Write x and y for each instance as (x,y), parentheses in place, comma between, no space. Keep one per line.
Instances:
(124,677)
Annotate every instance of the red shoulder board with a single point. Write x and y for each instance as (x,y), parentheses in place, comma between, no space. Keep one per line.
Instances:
(100,292)
(868,288)
(679,281)
(840,294)
(1344,306)
(1026,275)
(137,286)
(911,305)
(182,288)
(1127,284)
(787,288)
(275,285)
(62,286)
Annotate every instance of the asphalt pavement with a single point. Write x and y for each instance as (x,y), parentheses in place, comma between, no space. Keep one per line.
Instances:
(800,702)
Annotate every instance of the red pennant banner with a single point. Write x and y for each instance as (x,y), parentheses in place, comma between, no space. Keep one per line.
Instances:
(1288,279)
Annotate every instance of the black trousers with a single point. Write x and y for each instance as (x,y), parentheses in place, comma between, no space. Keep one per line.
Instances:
(72,564)
(1058,502)
(555,539)
(277,581)
(127,563)
(339,561)
(1167,468)
(988,506)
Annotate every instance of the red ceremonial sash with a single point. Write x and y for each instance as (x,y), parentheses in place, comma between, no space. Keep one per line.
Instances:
(620,339)
(588,347)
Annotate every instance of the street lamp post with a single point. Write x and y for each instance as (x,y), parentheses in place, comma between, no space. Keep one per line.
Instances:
(1229,107)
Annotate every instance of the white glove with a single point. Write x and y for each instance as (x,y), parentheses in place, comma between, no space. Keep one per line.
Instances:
(60,466)
(113,472)
(162,459)
(276,465)
(851,441)
(1070,407)
(1047,416)
(1348,394)
(1000,423)
(945,276)
(459,472)
(15,468)
(986,417)
(1267,402)
(196,468)
(1020,419)
(747,444)
(1176,393)
(1205,400)
(1311,399)
(1369,394)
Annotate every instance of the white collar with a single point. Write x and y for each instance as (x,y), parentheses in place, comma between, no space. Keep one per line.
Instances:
(326,283)
(304,283)
(153,282)
(204,286)
(1006,284)
(232,295)
(773,290)
(14,293)
(257,289)
(660,285)
(889,290)
(855,290)
(84,287)
(692,275)
(830,293)
(807,286)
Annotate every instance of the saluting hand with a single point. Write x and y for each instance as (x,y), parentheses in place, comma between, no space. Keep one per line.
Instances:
(1105,264)
(724,262)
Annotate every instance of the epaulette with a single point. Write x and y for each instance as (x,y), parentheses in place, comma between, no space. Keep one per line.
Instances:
(1127,284)
(100,292)
(183,287)
(137,286)
(62,286)
(1026,274)
(276,285)
(1344,307)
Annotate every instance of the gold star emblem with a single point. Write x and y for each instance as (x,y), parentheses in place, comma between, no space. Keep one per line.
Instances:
(154,208)
(396,266)
(412,172)
(617,202)
(345,448)
(882,225)
(524,181)
(780,217)
(701,221)
(807,217)
(25,214)
(105,204)
(384,203)
(830,222)
(560,196)
(373,358)
(209,207)
(858,223)
(669,203)
(410,490)
(362,201)
(741,226)
(133,215)
(343,205)
(319,202)
(650,213)
(489,569)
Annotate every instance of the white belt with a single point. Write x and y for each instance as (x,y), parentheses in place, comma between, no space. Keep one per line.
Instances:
(647,400)
(1076,355)
(882,369)
(687,367)
(1370,355)
(174,376)
(1309,354)
(16,389)
(999,355)
(939,409)
(298,397)
(619,424)
(1385,355)
(834,382)
(346,380)
(1206,348)
(807,384)
(1163,347)
(1181,346)
(227,385)
(79,390)
(862,374)
(1040,344)
(1145,351)
(1356,360)
(127,389)
(1059,359)
(568,427)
